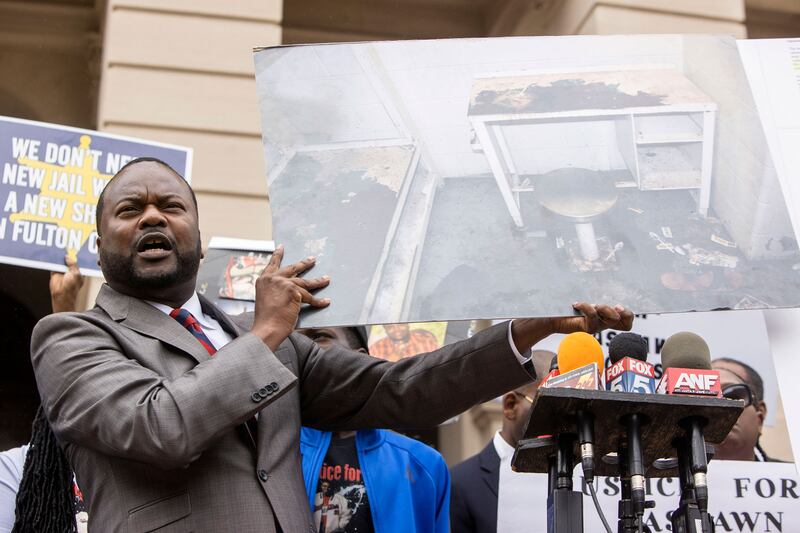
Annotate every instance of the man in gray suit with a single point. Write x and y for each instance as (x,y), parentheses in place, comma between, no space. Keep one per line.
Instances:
(153,393)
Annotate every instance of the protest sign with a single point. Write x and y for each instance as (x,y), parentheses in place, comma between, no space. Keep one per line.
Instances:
(51,178)
(744,496)
(229,271)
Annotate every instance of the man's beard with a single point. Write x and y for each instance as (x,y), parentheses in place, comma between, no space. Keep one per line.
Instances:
(120,268)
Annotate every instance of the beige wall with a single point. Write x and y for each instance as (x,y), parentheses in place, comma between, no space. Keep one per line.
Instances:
(307,21)
(48,60)
(773,18)
(181,71)
(570,17)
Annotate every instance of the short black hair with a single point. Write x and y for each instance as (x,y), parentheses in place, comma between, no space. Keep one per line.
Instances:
(357,337)
(136,161)
(753,378)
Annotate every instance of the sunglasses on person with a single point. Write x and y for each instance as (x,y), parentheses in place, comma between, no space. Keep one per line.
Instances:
(739,391)
(528,398)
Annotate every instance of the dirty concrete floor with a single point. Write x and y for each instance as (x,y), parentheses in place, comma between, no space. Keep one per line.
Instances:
(467,271)
(339,213)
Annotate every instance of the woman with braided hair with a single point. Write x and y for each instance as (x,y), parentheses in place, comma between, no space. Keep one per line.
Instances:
(47,495)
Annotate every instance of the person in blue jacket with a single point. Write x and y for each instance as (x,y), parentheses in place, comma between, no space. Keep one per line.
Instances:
(371,480)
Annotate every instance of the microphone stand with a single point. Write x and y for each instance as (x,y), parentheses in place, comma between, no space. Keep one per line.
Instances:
(552,476)
(632,478)
(565,510)
(555,453)
(635,467)
(626,518)
(688,518)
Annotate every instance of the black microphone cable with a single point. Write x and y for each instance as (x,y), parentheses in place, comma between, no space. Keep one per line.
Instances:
(586,439)
(600,509)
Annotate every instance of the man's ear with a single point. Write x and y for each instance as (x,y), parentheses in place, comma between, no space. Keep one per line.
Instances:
(97,245)
(362,350)
(509,404)
(761,410)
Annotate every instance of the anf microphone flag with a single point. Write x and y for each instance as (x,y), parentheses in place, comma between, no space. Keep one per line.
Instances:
(695,381)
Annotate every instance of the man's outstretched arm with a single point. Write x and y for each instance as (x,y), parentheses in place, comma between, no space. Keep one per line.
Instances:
(526,332)
(344,390)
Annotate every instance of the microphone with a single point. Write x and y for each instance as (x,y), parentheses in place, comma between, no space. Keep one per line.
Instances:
(579,359)
(687,370)
(687,367)
(629,371)
(553,371)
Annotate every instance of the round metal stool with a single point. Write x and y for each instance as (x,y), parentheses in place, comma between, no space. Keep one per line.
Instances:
(580,195)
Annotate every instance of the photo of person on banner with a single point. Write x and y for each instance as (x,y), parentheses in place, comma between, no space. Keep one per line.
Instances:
(741,381)
(397,341)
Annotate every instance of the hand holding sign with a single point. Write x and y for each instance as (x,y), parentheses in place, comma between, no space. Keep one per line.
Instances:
(64,287)
(280,292)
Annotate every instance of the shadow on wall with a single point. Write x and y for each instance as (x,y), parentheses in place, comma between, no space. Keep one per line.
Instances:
(752,207)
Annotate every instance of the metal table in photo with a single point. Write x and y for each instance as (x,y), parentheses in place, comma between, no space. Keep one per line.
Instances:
(663,123)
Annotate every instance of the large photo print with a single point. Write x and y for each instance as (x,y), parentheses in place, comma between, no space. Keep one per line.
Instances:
(486,178)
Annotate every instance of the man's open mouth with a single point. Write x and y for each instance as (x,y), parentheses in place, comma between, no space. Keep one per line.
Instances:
(154,245)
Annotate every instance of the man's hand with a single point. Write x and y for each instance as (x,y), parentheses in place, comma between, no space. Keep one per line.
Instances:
(64,287)
(279,295)
(593,318)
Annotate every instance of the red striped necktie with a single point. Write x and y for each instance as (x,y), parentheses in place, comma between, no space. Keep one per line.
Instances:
(186,319)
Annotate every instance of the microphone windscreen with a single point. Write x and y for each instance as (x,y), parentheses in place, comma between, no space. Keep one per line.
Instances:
(577,350)
(627,345)
(685,350)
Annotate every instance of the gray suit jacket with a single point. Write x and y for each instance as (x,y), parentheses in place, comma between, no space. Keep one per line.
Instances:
(154,429)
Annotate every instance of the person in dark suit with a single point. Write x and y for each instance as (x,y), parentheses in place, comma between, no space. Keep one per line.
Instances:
(177,417)
(475,481)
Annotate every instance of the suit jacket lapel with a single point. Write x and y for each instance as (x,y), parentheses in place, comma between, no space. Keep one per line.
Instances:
(224,321)
(143,318)
(490,467)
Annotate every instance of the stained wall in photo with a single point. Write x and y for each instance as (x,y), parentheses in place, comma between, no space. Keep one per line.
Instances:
(487,178)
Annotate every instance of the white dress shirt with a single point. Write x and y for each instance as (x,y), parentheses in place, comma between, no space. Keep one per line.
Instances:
(520,357)
(521,496)
(218,336)
(504,450)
